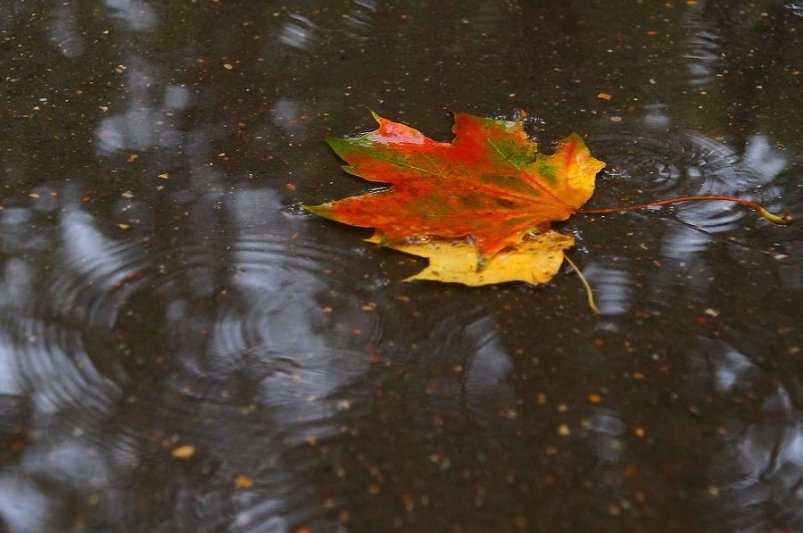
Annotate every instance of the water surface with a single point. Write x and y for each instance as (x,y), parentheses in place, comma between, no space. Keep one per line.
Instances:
(183,349)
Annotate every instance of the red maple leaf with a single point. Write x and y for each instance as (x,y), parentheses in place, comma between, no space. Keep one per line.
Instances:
(490,184)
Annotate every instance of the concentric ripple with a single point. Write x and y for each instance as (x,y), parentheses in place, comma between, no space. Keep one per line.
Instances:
(235,352)
(254,305)
(757,473)
(689,246)
(644,168)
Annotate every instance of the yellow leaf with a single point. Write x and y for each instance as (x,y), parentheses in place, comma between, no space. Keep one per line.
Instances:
(534,260)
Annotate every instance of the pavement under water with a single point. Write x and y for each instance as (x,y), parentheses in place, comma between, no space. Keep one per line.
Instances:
(183,349)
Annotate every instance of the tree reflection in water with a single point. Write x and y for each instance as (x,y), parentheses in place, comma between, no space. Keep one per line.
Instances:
(159,292)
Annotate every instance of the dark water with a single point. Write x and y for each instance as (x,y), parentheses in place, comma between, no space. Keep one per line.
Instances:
(181,349)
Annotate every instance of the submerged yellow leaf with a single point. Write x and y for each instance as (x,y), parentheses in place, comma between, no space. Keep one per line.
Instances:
(534,260)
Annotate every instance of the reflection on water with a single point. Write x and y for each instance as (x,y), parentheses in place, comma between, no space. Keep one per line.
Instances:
(179,351)
(357,22)
(133,350)
(467,345)
(704,53)
(668,166)
(63,32)
(758,474)
(682,238)
(611,286)
(136,15)
(359,19)
(143,127)
(298,32)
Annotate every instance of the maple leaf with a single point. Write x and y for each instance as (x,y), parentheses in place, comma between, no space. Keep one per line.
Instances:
(490,184)
(479,208)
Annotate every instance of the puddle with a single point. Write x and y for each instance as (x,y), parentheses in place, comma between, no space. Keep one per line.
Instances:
(183,348)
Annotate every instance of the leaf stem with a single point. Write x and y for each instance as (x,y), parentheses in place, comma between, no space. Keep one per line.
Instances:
(782,219)
(591,303)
